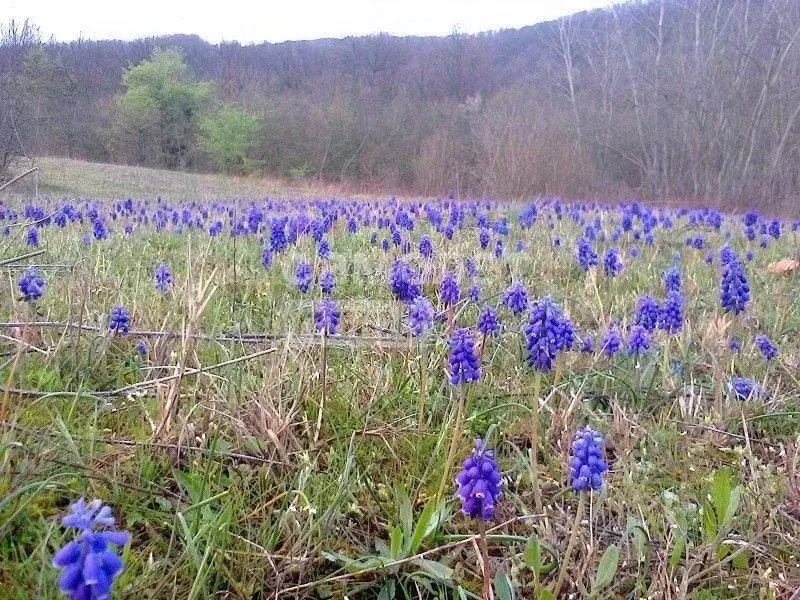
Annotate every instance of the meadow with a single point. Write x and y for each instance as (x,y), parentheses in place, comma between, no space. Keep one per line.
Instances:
(274,395)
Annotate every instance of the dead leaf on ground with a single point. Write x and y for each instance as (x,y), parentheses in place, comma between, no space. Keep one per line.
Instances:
(784,265)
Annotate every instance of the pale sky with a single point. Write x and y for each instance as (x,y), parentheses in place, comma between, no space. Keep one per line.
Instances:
(280,20)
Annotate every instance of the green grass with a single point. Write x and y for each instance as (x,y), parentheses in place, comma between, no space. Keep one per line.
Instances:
(242,498)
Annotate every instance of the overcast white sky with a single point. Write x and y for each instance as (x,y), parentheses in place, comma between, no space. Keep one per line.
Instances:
(280,20)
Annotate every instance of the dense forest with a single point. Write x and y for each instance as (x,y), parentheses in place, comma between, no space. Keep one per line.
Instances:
(672,99)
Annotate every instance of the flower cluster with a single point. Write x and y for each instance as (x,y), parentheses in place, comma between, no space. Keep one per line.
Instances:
(471,266)
(420,315)
(745,389)
(302,276)
(588,464)
(464,365)
(670,316)
(324,249)
(425,246)
(449,293)
(120,321)
(488,321)
(326,282)
(479,483)
(587,257)
(612,263)
(515,297)
(162,279)
(766,347)
(31,284)
(647,312)
(612,340)
(735,289)
(327,316)
(638,340)
(89,563)
(547,332)
(404,281)
(672,279)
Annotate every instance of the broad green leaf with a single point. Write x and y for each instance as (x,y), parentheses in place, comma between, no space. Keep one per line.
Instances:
(742,561)
(406,512)
(639,538)
(421,528)
(396,542)
(722,551)
(434,569)
(546,594)
(677,553)
(710,528)
(607,568)
(441,515)
(502,587)
(533,554)
(733,506)
(383,549)
(387,591)
(721,489)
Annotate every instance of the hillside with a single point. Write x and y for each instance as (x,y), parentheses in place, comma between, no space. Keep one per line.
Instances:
(666,98)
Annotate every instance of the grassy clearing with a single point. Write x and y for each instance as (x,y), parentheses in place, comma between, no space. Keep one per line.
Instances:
(230,490)
(68,178)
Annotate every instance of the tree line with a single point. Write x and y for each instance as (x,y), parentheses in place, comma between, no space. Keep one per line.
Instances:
(677,99)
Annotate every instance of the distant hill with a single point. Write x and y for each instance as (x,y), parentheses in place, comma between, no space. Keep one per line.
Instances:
(667,98)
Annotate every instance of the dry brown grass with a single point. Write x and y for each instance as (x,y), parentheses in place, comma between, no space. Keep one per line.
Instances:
(64,177)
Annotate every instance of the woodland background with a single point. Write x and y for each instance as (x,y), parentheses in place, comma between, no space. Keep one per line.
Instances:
(668,99)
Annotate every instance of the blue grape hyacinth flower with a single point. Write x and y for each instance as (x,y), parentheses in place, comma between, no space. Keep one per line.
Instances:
(479,483)
(766,347)
(638,340)
(89,563)
(588,464)
(426,246)
(612,340)
(162,280)
(673,279)
(420,316)
(670,316)
(327,316)
(464,364)
(449,292)
(302,276)
(587,257)
(404,281)
(734,288)
(515,297)
(31,284)
(547,333)
(744,389)
(327,282)
(120,321)
(647,311)
(612,263)
(488,321)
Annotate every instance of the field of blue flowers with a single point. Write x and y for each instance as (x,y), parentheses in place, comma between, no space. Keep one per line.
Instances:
(397,399)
